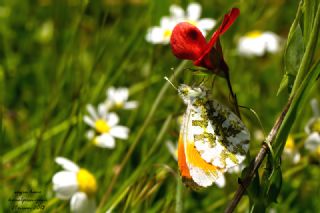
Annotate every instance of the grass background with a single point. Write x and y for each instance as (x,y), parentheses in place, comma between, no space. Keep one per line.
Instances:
(57,56)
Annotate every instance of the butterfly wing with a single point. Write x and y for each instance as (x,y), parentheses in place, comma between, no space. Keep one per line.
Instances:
(194,169)
(226,139)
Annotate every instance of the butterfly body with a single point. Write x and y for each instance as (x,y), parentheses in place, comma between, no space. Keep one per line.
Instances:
(212,138)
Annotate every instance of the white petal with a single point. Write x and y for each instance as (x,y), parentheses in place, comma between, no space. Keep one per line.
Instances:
(312,142)
(90,134)
(80,203)
(102,110)
(251,47)
(203,32)
(92,111)
(221,181)
(155,35)
(122,95)
(67,164)
(130,105)
(296,157)
(194,11)
(105,141)
(176,11)
(168,23)
(165,21)
(89,121)
(272,42)
(65,184)
(121,132)
(206,24)
(111,93)
(112,119)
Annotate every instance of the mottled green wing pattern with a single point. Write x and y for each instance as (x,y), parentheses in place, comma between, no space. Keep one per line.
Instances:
(224,139)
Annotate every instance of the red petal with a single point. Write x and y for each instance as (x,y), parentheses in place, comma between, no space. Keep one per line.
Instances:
(225,25)
(187,42)
(228,20)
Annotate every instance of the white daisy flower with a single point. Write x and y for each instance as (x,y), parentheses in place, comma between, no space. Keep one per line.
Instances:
(192,15)
(105,128)
(117,98)
(161,34)
(290,151)
(76,184)
(258,43)
(312,128)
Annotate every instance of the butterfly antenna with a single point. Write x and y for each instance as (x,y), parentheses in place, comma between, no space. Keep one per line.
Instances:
(167,79)
(256,116)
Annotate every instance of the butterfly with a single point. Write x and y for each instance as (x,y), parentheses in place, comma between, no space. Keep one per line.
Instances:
(212,138)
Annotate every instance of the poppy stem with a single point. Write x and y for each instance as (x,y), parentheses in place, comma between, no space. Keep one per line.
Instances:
(233,95)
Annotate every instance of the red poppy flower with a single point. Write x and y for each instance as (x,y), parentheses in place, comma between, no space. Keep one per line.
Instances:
(187,42)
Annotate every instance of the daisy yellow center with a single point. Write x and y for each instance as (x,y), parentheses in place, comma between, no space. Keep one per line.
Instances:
(167,33)
(87,182)
(254,34)
(102,126)
(289,143)
(119,105)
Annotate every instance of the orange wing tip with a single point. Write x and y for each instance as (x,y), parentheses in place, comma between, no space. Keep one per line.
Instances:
(196,172)
(184,170)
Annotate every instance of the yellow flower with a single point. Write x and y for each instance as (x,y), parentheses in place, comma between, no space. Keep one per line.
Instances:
(290,151)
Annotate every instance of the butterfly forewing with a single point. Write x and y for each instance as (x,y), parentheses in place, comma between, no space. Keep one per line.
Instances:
(214,138)
(202,172)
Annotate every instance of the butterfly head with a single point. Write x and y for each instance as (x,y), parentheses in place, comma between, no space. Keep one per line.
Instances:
(190,94)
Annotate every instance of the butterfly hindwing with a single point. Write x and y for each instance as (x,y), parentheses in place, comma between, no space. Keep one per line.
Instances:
(226,140)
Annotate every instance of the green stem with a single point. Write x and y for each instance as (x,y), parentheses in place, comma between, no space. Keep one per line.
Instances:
(281,128)
(308,55)
(233,95)
(179,205)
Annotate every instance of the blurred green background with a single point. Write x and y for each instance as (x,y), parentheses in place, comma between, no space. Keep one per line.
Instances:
(56,56)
